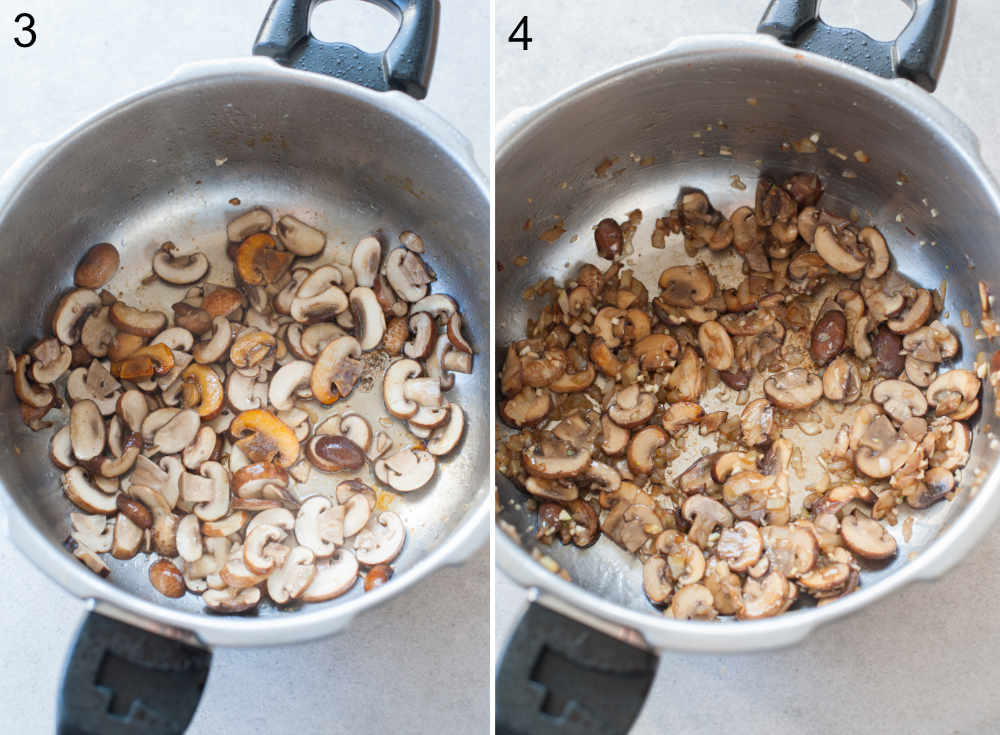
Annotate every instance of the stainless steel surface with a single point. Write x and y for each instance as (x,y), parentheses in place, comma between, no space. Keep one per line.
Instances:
(673,119)
(164,164)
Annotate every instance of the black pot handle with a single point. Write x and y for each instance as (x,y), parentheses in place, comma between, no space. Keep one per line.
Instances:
(916,54)
(405,65)
(122,680)
(560,677)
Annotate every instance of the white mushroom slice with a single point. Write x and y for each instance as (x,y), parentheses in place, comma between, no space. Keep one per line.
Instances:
(52,360)
(427,419)
(365,261)
(287,381)
(457,362)
(445,438)
(148,473)
(92,530)
(70,313)
(393,384)
(61,449)
(215,552)
(179,270)
(424,391)
(381,445)
(282,301)
(78,390)
(248,223)
(279,517)
(333,577)
(381,541)
(170,489)
(315,337)
(421,432)
(189,542)
(218,506)
(84,495)
(178,432)
(356,428)
(455,335)
(435,368)
(325,305)
(300,238)
(406,470)
(176,338)
(127,539)
(253,548)
(437,305)
(155,421)
(132,409)
(245,393)
(98,332)
(311,525)
(300,471)
(217,346)
(201,449)
(407,274)
(86,430)
(368,317)
(357,512)
(294,576)
(229,600)
(424,337)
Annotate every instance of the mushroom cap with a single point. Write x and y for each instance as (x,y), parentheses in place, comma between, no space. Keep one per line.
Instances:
(406,470)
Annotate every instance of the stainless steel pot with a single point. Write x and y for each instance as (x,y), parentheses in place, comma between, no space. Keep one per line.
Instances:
(163,164)
(670,120)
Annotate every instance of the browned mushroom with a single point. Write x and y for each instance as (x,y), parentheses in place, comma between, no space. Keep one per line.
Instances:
(796,389)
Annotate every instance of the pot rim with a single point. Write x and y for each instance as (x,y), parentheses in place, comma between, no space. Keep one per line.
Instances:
(952,543)
(205,628)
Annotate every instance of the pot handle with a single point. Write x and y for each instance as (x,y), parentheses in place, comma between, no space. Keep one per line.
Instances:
(916,54)
(561,676)
(405,65)
(121,680)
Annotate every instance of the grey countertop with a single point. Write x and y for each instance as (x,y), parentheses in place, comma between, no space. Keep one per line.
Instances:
(922,661)
(420,664)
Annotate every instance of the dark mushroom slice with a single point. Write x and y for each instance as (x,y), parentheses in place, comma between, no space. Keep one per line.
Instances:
(867,538)
(97,266)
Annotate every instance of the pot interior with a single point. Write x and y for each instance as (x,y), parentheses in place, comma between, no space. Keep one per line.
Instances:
(171,165)
(716,120)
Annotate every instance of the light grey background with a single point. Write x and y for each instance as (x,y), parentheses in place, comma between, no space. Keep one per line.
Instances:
(923,661)
(420,664)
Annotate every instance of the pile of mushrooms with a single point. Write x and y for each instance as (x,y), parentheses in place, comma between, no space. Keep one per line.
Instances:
(604,395)
(191,436)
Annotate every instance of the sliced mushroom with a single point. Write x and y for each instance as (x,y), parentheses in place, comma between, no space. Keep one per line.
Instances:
(393,386)
(368,317)
(334,453)
(263,437)
(657,581)
(217,346)
(705,514)
(631,407)
(686,285)
(867,538)
(179,270)
(920,372)
(292,579)
(407,274)
(52,360)
(127,539)
(841,381)
(337,367)
(933,343)
(137,322)
(365,261)
(446,437)
(643,445)
(881,450)
(879,251)
(28,392)
(741,545)
(406,470)
(86,430)
(795,389)
(71,312)
(839,249)
(218,505)
(85,495)
(899,399)
(692,602)
(248,223)
(230,600)
(189,542)
(954,394)
(764,598)
(333,577)
(300,238)
(716,345)
(915,316)
(287,382)
(424,337)
(438,305)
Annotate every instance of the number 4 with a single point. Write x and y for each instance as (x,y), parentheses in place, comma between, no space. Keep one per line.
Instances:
(524,39)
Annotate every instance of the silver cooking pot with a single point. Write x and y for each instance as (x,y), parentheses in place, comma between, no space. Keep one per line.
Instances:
(700,112)
(353,154)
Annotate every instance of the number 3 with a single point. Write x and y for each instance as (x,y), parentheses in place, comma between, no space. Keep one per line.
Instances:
(28,28)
